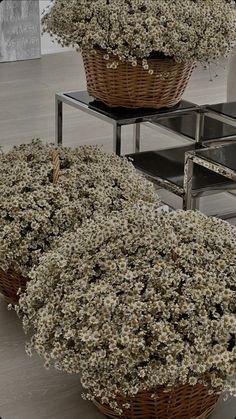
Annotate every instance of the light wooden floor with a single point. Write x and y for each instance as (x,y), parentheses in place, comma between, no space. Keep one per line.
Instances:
(27,89)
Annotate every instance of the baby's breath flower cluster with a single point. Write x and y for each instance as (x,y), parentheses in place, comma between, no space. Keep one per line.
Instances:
(128,30)
(139,299)
(33,211)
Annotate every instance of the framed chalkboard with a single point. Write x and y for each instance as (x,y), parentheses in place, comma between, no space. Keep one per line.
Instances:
(19,30)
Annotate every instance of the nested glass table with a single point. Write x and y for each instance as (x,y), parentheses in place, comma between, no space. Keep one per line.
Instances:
(217,124)
(202,125)
(119,117)
(223,112)
(165,168)
(218,161)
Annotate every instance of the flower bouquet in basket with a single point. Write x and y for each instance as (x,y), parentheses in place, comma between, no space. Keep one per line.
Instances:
(46,191)
(144,308)
(141,53)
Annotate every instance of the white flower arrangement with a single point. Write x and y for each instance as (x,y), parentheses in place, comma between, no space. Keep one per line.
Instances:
(33,211)
(129,30)
(139,299)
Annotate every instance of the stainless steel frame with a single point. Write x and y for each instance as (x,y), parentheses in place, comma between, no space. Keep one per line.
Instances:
(161,183)
(221,118)
(190,197)
(192,158)
(62,98)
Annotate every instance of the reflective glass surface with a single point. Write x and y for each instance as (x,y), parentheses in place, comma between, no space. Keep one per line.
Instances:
(169,165)
(120,114)
(186,125)
(224,155)
(227,109)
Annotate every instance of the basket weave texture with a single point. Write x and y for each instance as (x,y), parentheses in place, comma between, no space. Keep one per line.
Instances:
(182,402)
(133,87)
(10,280)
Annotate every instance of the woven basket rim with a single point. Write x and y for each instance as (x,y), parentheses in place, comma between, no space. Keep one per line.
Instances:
(167,389)
(140,403)
(101,51)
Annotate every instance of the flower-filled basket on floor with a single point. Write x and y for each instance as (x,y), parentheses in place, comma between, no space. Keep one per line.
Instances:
(182,402)
(11,280)
(141,54)
(46,191)
(142,305)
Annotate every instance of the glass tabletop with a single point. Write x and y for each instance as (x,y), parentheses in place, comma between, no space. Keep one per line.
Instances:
(121,114)
(168,165)
(186,125)
(227,109)
(224,155)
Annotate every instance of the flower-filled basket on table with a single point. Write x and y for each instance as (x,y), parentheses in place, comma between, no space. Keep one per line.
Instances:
(142,53)
(133,86)
(142,305)
(46,191)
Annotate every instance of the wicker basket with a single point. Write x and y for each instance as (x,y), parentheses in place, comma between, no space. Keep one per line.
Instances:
(183,402)
(10,280)
(134,87)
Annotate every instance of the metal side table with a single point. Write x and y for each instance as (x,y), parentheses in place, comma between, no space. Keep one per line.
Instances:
(218,162)
(222,112)
(218,124)
(165,168)
(119,117)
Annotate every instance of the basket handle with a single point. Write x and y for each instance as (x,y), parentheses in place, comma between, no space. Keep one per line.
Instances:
(56,166)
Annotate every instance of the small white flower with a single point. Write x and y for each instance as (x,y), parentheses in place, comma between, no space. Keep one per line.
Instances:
(127,300)
(132,31)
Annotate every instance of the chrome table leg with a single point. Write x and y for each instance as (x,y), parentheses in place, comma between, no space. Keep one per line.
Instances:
(58,121)
(137,137)
(200,120)
(117,138)
(188,180)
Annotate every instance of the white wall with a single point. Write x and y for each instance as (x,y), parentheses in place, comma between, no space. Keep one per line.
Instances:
(231,89)
(47,46)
